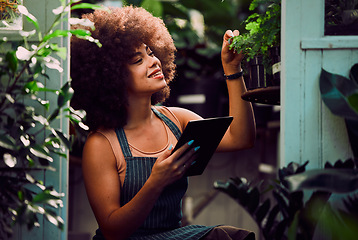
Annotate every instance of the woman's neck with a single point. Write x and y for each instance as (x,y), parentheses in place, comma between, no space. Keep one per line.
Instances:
(139,113)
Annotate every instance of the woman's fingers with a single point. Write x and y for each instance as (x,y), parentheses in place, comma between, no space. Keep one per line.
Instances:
(184,156)
(187,158)
(236,32)
(171,166)
(191,157)
(182,149)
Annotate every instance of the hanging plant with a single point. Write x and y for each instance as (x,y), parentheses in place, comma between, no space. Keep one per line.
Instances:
(264,31)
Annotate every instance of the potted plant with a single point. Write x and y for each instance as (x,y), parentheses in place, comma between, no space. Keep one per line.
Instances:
(28,139)
(261,44)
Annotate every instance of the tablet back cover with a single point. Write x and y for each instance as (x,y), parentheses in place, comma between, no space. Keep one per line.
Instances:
(206,133)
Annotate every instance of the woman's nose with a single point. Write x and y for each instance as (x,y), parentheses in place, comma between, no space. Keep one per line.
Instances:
(154,61)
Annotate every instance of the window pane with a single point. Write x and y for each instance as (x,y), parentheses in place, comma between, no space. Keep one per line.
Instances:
(341,17)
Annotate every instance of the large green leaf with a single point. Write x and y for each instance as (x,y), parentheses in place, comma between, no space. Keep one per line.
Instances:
(330,180)
(65,95)
(153,6)
(52,217)
(56,33)
(41,152)
(338,93)
(31,18)
(50,197)
(87,6)
(12,60)
(7,142)
(63,138)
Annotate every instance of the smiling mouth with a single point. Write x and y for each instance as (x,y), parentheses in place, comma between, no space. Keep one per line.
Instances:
(156,74)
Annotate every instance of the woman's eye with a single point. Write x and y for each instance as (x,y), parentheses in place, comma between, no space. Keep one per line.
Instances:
(137,61)
(151,54)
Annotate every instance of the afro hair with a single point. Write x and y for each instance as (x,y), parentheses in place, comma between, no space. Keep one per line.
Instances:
(99,74)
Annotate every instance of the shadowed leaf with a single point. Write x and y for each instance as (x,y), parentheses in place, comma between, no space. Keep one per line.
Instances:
(333,180)
(336,91)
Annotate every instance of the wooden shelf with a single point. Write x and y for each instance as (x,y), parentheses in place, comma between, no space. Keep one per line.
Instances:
(267,95)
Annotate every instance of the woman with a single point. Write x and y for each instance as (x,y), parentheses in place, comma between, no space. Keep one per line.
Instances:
(133,181)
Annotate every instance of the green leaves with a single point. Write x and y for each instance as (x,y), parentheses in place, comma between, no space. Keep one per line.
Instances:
(64,95)
(153,6)
(12,61)
(86,6)
(7,142)
(29,140)
(339,93)
(296,213)
(263,30)
(330,180)
(31,18)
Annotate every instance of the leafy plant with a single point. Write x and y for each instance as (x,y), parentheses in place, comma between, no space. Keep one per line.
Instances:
(28,140)
(264,31)
(295,213)
(340,94)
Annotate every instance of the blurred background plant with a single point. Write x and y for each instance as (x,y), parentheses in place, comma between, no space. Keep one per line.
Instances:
(302,204)
(28,140)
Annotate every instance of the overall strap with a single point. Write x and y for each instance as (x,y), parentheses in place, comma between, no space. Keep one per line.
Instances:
(172,126)
(123,142)
(123,139)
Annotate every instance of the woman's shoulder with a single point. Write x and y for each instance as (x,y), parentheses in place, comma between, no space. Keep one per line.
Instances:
(183,115)
(101,144)
(100,136)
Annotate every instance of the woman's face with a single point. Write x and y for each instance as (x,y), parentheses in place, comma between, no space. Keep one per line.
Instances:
(145,71)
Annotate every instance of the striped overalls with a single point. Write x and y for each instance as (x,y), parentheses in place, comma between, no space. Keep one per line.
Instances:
(164,220)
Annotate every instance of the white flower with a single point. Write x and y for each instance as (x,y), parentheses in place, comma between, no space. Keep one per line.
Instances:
(23,54)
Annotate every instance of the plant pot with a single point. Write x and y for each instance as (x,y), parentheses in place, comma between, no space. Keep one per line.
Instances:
(276,65)
(257,73)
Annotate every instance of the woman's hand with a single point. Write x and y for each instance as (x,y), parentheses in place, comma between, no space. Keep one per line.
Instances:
(230,59)
(169,167)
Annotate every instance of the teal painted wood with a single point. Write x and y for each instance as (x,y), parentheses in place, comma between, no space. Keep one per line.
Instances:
(291,75)
(309,131)
(311,135)
(331,42)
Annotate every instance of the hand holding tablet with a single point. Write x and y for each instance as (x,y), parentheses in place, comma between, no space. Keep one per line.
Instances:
(206,133)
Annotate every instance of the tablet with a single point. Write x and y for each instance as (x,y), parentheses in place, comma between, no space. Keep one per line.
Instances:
(206,133)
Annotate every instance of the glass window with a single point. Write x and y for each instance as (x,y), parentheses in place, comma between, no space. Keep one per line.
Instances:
(341,17)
